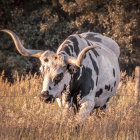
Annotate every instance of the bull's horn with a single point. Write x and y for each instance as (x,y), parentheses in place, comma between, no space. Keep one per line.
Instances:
(79,60)
(20,47)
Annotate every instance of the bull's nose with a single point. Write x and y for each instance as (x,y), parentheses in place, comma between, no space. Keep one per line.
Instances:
(45,97)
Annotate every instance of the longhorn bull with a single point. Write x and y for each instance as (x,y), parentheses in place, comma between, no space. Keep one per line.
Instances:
(85,65)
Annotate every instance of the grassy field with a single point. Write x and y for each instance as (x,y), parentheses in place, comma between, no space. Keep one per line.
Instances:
(24,117)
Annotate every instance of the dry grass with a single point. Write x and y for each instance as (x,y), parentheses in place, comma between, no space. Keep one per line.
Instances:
(23,116)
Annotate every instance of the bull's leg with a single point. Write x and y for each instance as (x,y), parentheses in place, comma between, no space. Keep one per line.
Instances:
(86,108)
(59,101)
(64,107)
(62,102)
(65,104)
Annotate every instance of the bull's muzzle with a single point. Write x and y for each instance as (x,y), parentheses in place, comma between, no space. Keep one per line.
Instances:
(45,97)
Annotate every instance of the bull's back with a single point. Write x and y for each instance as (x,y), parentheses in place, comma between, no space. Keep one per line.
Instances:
(109,51)
(102,41)
(74,44)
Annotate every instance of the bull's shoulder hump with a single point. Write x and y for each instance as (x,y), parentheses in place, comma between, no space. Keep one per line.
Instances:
(70,45)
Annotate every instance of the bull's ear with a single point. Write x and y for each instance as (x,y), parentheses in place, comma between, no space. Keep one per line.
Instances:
(72,69)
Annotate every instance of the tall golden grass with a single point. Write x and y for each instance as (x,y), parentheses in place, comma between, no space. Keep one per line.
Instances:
(23,116)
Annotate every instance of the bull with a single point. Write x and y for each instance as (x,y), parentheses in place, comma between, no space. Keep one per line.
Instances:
(84,72)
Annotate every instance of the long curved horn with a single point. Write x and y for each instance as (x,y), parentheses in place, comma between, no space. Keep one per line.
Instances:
(79,60)
(20,47)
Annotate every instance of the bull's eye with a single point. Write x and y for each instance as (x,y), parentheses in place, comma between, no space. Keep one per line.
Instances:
(58,78)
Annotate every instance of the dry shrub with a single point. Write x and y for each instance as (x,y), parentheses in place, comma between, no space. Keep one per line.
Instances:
(23,116)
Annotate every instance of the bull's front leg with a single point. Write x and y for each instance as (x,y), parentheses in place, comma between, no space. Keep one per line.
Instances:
(64,100)
(65,104)
(86,106)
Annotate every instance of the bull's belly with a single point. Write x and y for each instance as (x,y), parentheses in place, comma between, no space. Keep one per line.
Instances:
(104,98)
(99,102)
(108,87)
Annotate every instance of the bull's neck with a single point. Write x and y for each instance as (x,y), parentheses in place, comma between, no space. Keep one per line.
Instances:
(75,83)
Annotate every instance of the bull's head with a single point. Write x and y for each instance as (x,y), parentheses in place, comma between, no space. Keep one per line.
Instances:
(55,67)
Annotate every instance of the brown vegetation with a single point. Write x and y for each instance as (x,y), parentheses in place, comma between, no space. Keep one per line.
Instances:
(23,116)
(43,24)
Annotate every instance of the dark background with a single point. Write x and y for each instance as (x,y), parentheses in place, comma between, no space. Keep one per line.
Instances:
(45,24)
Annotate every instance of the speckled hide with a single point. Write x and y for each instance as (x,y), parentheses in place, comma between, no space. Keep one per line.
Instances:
(94,83)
